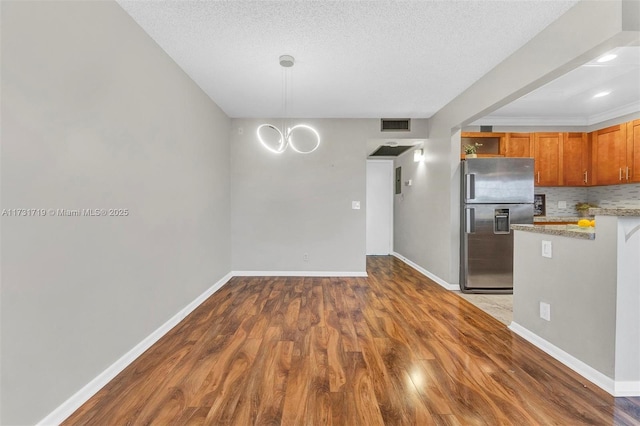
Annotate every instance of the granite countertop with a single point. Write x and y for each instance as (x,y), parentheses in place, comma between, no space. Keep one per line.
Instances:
(572,231)
(614,211)
(574,219)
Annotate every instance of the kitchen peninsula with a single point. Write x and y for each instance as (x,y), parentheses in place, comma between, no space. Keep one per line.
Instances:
(587,285)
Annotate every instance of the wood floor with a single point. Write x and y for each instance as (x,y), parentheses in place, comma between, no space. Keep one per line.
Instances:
(393,348)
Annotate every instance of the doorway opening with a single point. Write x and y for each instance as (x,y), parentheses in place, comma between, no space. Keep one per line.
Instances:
(379,207)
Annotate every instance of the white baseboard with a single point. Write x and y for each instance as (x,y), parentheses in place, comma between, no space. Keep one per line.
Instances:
(426,273)
(298,274)
(68,407)
(615,388)
(628,389)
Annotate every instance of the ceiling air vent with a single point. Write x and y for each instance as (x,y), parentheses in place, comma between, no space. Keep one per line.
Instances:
(395,124)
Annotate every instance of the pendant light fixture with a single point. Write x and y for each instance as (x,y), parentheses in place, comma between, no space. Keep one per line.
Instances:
(302,138)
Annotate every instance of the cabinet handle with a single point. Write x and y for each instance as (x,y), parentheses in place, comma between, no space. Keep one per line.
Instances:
(586,176)
(538,177)
(627,172)
(620,175)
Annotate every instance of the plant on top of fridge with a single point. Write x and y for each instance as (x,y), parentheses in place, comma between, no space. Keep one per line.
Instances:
(471,149)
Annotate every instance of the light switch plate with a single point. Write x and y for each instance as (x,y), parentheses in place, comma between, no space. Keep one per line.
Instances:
(355,205)
(545,311)
(562,204)
(547,249)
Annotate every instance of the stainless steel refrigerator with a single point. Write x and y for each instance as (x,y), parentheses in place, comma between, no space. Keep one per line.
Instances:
(496,192)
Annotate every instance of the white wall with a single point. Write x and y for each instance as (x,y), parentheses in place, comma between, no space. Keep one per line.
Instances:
(421,212)
(627,368)
(427,228)
(593,289)
(286,205)
(579,283)
(96,115)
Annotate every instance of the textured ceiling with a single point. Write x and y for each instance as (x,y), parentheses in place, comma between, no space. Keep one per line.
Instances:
(353,58)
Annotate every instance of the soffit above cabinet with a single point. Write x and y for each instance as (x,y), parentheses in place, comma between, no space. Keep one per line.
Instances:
(570,99)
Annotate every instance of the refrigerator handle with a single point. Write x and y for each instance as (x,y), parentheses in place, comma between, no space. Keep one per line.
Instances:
(470,220)
(470,187)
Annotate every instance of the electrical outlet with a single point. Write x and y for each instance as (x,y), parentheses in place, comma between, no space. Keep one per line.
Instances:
(305,257)
(355,205)
(545,311)
(547,249)
(562,204)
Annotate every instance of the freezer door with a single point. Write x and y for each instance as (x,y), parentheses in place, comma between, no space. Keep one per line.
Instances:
(497,180)
(487,244)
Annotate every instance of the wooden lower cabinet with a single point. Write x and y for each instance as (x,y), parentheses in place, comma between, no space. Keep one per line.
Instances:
(547,152)
(576,159)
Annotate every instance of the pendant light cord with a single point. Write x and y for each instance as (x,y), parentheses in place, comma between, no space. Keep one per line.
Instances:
(284,101)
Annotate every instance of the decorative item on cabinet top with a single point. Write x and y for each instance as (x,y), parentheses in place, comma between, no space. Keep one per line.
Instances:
(470,150)
(583,208)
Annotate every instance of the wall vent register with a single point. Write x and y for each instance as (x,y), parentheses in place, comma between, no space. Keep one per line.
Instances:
(395,124)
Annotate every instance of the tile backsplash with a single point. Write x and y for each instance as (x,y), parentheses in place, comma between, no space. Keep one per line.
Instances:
(616,195)
(571,195)
(627,195)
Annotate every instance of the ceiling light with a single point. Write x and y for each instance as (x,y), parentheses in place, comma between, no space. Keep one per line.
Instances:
(287,61)
(601,94)
(277,141)
(607,58)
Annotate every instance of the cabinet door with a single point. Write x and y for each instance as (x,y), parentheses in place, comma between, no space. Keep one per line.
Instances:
(575,158)
(547,151)
(518,145)
(609,153)
(633,150)
(487,144)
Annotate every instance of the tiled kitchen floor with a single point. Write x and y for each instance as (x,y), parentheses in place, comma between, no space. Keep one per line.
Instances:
(499,306)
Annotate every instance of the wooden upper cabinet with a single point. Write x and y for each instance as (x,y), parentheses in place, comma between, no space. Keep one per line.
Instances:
(547,152)
(633,150)
(609,152)
(609,156)
(518,145)
(489,144)
(576,159)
